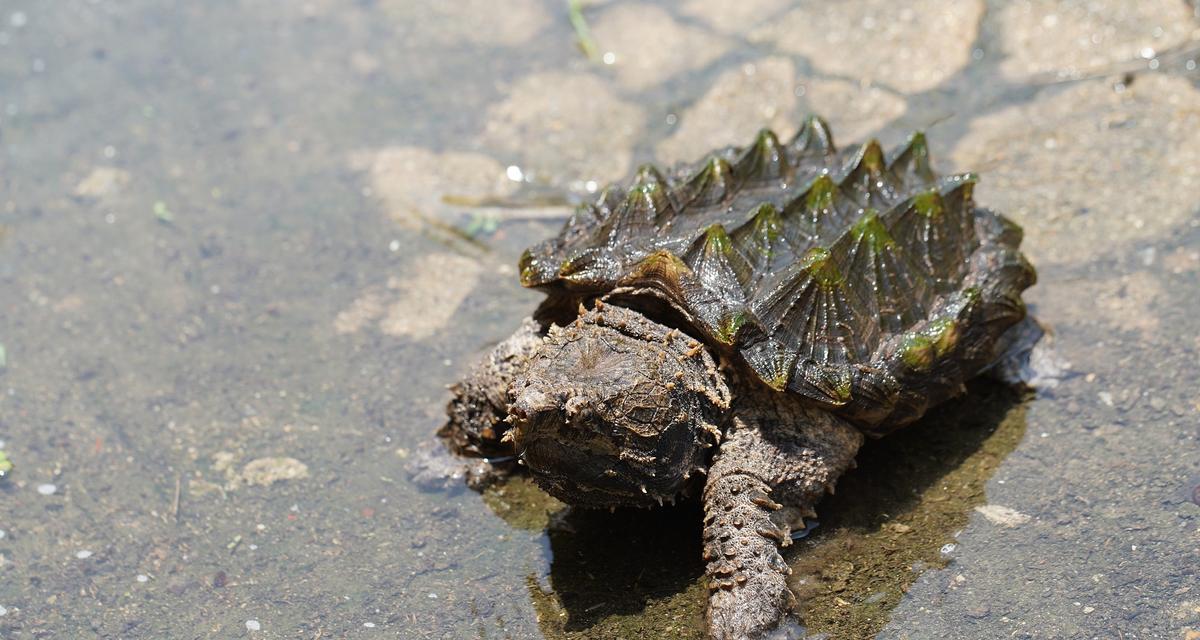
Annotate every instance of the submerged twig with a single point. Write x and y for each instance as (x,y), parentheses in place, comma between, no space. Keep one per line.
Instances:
(498,202)
(583,34)
(178,494)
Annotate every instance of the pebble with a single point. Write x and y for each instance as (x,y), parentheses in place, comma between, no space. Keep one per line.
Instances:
(253,625)
(980,611)
(1002,515)
(47,489)
(83,554)
(3,611)
(141,577)
(102,182)
(267,471)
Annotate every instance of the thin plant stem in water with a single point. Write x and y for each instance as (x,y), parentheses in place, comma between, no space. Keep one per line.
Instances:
(583,34)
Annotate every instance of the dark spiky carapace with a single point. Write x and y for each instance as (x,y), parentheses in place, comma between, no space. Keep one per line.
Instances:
(731,330)
(851,277)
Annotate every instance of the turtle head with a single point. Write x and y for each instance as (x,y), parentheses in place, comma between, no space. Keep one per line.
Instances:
(615,409)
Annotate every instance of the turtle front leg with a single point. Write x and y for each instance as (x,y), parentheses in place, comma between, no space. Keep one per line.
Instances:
(477,413)
(776,454)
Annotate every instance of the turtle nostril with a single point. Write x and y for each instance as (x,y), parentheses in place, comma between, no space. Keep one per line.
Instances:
(530,403)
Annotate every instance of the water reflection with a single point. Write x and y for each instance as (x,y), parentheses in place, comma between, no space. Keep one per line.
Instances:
(639,572)
(893,517)
(624,573)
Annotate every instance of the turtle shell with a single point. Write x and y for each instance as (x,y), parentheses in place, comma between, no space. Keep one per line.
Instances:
(858,279)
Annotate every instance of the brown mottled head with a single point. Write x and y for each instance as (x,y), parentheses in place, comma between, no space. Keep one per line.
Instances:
(616,410)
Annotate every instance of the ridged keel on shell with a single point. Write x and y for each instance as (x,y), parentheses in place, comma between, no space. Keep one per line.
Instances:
(845,277)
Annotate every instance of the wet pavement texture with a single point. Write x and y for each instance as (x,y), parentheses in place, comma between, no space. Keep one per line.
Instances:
(244,247)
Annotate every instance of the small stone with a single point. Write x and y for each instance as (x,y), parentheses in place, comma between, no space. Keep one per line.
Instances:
(47,489)
(83,554)
(1089,609)
(253,625)
(979,611)
(1002,515)
(101,182)
(141,577)
(267,471)
(3,610)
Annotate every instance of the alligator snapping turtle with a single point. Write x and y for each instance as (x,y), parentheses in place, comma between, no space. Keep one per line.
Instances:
(733,329)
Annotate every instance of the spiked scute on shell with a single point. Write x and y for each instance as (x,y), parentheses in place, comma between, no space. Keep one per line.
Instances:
(858,279)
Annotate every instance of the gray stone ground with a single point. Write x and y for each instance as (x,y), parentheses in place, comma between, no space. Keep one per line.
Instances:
(242,250)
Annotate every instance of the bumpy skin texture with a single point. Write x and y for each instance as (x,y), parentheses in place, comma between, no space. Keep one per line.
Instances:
(745,322)
(778,453)
(478,412)
(615,409)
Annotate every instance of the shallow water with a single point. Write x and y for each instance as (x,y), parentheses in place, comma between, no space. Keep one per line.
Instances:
(236,239)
